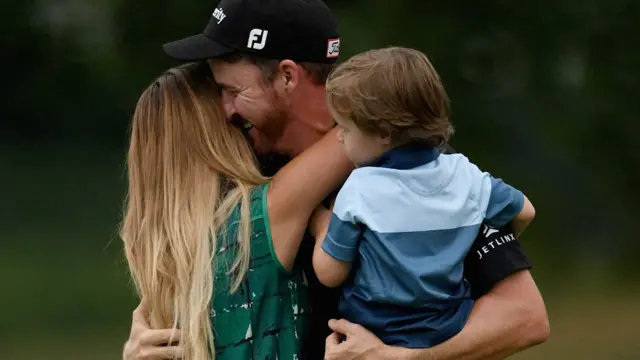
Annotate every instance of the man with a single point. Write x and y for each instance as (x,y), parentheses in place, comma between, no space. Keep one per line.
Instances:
(271,59)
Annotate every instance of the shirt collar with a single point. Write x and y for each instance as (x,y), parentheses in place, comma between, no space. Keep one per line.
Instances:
(407,157)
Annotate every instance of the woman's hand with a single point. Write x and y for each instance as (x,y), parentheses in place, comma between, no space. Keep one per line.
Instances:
(147,344)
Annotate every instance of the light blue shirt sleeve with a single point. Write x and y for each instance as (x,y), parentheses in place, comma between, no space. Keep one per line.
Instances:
(343,236)
(505,203)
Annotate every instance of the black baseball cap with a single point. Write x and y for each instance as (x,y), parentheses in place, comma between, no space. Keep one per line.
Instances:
(299,30)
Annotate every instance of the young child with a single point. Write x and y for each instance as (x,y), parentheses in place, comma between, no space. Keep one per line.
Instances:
(408,215)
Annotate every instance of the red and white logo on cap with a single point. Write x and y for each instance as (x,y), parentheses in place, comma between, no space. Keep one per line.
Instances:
(333,48)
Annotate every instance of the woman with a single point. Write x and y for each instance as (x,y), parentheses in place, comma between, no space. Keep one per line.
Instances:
(211,243)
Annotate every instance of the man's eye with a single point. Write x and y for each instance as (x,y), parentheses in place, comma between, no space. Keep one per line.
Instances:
(231,92)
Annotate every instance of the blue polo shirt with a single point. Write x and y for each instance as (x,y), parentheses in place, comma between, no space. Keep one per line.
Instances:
(407,222)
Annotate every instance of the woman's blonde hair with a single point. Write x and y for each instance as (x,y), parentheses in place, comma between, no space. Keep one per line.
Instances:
(393,92)
(188,170)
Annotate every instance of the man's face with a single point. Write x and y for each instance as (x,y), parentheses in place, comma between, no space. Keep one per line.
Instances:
(250,102)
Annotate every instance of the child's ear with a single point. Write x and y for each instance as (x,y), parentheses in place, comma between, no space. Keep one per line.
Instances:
(385,138)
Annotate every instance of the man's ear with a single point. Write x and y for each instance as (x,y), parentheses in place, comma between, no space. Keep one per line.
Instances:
(290,73)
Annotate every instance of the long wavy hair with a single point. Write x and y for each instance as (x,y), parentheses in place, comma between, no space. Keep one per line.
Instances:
(188,170)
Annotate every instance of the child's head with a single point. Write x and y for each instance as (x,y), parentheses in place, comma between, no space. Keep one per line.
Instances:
(386,98)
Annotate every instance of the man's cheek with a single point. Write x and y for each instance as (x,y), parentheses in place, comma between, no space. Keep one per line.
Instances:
(259,142)
(249,111)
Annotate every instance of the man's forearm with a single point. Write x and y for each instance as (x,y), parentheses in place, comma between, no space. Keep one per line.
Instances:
(509,319)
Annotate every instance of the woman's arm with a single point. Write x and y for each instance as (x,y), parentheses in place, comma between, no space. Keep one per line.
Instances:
(297,189)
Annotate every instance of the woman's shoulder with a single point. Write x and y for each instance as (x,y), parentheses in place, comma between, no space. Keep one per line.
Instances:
(260,191)
(257,205)
(259,200)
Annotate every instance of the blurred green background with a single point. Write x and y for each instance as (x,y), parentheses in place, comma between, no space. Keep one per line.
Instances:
(544,94)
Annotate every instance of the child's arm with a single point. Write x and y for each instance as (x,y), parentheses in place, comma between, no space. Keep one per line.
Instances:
(508,205)
(330,271)
(319,223)
(524,218)
(336,245)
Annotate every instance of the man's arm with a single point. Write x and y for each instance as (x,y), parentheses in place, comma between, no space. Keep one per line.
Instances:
(508,317)
(501,324)
(509,314)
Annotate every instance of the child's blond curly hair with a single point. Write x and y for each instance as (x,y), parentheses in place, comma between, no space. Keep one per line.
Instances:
(392,92)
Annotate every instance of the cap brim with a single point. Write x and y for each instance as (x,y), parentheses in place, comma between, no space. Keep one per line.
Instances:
(194,48)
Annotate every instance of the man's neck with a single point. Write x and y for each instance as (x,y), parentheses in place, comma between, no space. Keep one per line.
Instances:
(309,120)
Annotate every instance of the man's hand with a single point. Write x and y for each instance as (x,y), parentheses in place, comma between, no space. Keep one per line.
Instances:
(360,343)
(147,344)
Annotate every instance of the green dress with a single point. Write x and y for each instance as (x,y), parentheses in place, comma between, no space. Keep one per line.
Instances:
(266,318)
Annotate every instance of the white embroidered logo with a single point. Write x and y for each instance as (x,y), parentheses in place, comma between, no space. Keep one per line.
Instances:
(488,231)
(333,48)
(257,39)
(219,14)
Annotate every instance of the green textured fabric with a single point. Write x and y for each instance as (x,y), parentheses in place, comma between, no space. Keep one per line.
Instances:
(266,318)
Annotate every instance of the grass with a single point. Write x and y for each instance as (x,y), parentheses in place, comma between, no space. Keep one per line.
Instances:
(584,326)
(591,326)
(65,290)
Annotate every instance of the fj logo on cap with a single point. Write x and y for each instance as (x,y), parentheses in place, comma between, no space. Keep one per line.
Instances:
(219,14)
(257,39)
(333,48)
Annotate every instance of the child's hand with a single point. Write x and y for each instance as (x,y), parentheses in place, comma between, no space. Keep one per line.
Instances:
(524,218)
